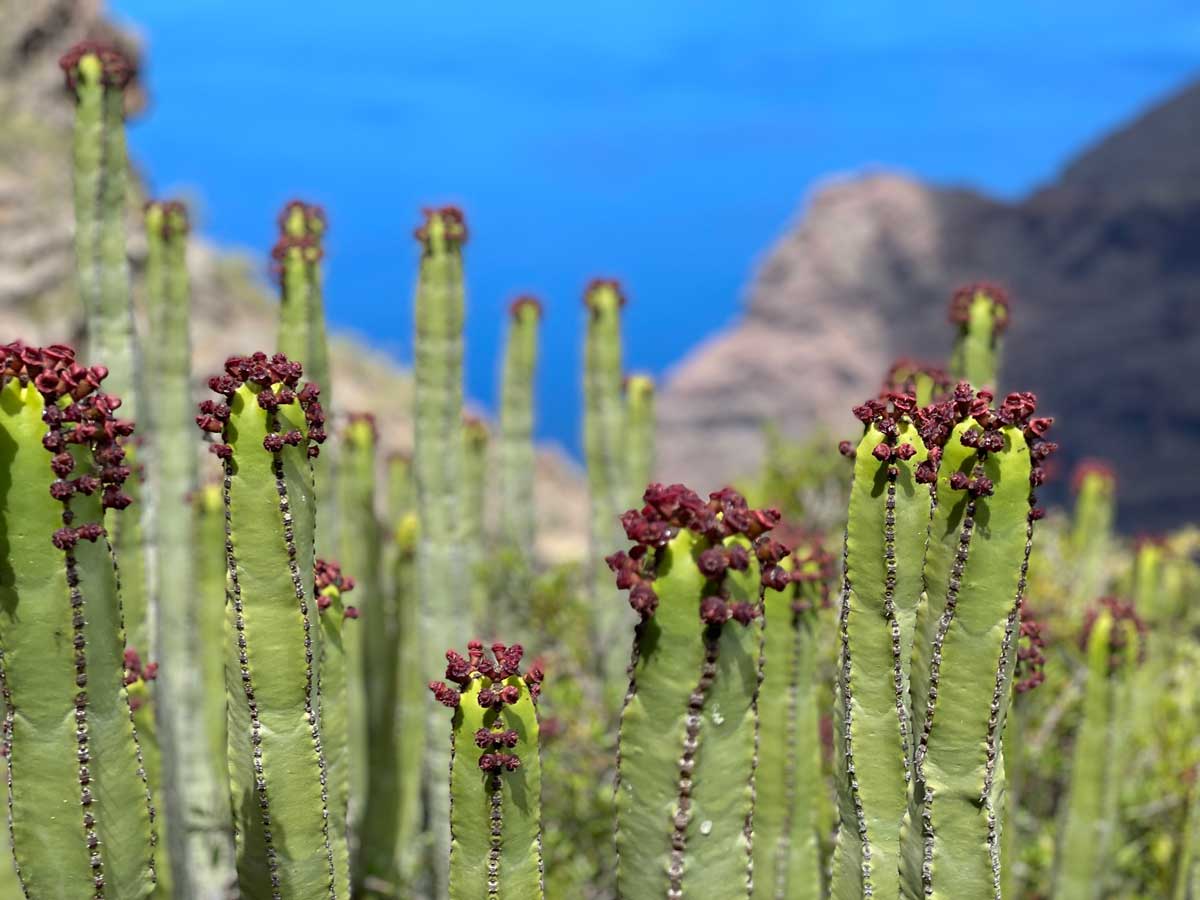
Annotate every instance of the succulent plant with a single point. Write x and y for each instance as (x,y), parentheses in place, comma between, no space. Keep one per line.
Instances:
(981,312)
(68,735)
(495,774)
(516,462)
(1094,484)
(640,423)
(472,513)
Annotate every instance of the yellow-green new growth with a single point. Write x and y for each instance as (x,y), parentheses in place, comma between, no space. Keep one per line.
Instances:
(981,313)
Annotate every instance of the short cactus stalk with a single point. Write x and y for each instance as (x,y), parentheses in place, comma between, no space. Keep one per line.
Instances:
(787,823)
(495,774)
(515,449)
(68,734)
(926,382)
(438,467)
(139,681)
(410,698)
(196,822)
(882,584)
(604,451)
(337,615)
(967,634)
(640,422)
(269,426)
(472,519)
(981,313)
(688,739)
(1112,641)
(1094,484)
(98,73)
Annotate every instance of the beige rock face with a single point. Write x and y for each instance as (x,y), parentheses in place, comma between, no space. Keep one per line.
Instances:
(233,307)
(1104,269)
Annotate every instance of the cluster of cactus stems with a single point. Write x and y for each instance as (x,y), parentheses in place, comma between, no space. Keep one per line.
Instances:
(981,313)
(495,774)
(935,561)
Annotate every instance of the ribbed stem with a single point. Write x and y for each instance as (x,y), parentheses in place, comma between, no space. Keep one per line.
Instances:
(517,519)
(639,434)
(486,618)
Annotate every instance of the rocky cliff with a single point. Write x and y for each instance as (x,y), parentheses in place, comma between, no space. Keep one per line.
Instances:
(234,309)
(1104,269)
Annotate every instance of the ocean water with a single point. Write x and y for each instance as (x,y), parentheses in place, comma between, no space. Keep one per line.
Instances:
(664,143)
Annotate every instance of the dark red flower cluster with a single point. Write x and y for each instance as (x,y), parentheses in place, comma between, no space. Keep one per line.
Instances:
(1121,610)
(308,245)
(265,373)
(598,284)
(504,663)
(1031,646)
(364,418)
(327,574)
(314,215)
(76,413)
(453,219)
(960,303)
(902,377)
(523,301)
(135,671)
(119,70)
(812,565)
(886,412)
(671,508)
(1090,467)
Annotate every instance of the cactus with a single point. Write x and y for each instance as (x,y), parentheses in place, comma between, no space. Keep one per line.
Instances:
(438,464)
(127,534)
(640,422)
(196,823)
(68,734)
(517,524)
(787,824)
(1094,484)
(208,518)
(882,583)
(270,427)
(1112,640)
(927,382)
(981,313)
(689,728)
(472,517)
(400,499)
(965,650)
(496,817)
(97,74)
(335,668)
(139,677)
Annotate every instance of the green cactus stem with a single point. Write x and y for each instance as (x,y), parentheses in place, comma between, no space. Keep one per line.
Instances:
(1094,484)
(517,460)
(981,313)
(787,824)
(639,434)
(401,499)
(196,823)
(208,506)
(688,739)
(1112,640)
(139,678)
(336,617)
(127,535)
(965,651)
(80,816)
(495,774)
(927,382)
(270,427)
(473,516)
(883,555)
(438,467)
(604,451)
(98,73)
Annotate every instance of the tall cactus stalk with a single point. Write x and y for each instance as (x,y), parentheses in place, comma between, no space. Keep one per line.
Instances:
(517,524)
(198,848)
(603,444)
(337,617)
(80,817)
(208,514)
(689,729)
(787,823)
(965,651)
(410,698)
(474,497)
(98,73)
(1091,540)
(1112,640)
(640,422)
(495,775)
(981,313)
(270,426)
(438,464)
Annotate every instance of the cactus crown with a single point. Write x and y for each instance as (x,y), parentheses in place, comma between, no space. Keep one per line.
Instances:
(1127,625)
(966,296)
(330,582)
(1031,646)
(600,291)
(726,514)
(276,382)
(446,225)
(1089,469)
(518,307)
(115,68)
(912,376)
(167,218)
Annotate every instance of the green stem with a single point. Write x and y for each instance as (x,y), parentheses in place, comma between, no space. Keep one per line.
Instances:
(517,461)
(640,425)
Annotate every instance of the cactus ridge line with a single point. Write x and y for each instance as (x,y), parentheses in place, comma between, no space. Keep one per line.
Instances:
(497,835)
(760,672)
(312,694)
(889,610)
(792,731)
(6,745)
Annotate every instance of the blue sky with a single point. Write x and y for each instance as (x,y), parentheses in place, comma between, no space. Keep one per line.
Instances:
(664,142)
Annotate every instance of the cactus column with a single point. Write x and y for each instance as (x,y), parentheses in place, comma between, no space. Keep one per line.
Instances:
(981,313)
(1091,540)
(689,729)
(639,434)
(80,818)
(517,526)
(199,850)
(286,837)
(438,463)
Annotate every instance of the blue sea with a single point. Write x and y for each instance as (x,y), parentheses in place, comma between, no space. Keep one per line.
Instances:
(666,143)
